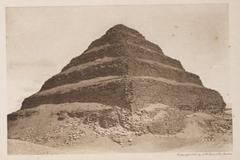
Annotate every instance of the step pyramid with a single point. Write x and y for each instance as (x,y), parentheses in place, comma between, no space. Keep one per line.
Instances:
(123,69)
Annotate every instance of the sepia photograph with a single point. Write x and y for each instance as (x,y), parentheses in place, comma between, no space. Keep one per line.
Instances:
(129,79)
(117,79)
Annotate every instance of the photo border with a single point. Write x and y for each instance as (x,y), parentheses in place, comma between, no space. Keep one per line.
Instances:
(234,40)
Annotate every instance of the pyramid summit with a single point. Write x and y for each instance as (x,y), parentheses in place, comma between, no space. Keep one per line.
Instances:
(120,28)
(123,69)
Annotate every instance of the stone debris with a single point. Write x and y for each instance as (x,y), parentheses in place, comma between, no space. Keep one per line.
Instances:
(122,126)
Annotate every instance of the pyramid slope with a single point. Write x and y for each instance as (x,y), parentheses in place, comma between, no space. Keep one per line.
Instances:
(122,68)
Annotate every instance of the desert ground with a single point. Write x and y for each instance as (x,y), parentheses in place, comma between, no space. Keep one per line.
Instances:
(95,128)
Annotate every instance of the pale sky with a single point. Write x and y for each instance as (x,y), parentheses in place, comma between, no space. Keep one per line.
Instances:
(42,40)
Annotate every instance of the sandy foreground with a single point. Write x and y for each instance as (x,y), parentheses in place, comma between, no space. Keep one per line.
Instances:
(144,143)
(66,131)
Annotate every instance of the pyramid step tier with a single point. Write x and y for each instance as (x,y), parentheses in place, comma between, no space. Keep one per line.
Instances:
(131,93)
(98,80)
(124,37)
(110,59)
(119,67)
(120,49)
